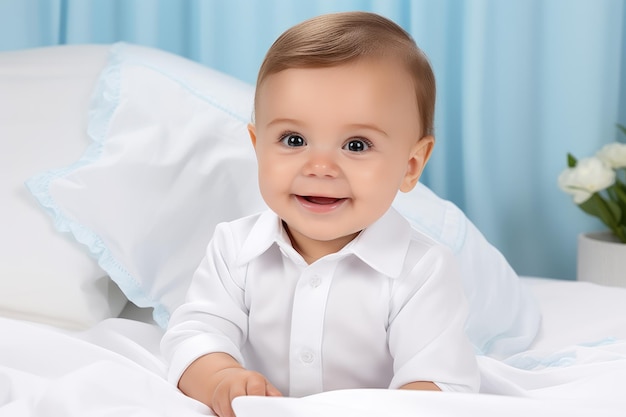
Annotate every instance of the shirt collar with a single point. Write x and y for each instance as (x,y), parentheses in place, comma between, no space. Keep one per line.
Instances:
(265,232)
(383,245)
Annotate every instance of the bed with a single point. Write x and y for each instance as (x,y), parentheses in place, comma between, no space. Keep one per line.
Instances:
(118,160)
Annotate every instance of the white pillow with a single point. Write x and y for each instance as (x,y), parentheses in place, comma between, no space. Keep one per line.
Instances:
(504,316)
(45,276)
(171,158)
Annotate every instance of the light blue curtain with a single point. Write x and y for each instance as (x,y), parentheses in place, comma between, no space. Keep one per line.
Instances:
(521,83)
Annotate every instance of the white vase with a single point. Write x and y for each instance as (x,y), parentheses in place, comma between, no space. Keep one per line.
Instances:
(601,259)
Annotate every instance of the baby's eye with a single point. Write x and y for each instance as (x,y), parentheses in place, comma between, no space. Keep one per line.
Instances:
(293,140)
(357,145)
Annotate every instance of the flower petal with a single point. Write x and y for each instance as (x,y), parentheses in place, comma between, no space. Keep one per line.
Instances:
(613,154)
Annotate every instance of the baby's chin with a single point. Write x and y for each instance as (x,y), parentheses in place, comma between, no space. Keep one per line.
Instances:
(321,234)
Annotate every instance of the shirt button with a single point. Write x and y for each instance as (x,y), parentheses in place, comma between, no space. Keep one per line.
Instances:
(307,357)
(315,281)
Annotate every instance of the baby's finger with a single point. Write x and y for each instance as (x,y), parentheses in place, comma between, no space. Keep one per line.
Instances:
(255,385)
(223,408)
(223,397)
(272,391)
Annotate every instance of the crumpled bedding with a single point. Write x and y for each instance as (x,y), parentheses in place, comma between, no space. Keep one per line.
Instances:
(115,369)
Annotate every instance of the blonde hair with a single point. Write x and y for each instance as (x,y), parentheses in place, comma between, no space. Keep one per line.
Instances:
(338,38)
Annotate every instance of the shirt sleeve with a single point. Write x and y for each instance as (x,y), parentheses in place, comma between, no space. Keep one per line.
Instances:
(427,338)
(214,315)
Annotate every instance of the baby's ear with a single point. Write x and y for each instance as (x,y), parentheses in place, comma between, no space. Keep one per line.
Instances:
(252,133)
(420,153)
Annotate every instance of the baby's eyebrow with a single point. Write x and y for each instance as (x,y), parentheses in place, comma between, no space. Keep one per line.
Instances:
(285,120)
(367,126)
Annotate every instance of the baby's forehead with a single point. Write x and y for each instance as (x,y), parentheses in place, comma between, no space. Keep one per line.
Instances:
(354,93)
(356,78)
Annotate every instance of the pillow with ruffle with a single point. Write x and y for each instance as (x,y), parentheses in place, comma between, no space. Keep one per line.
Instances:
(170,159)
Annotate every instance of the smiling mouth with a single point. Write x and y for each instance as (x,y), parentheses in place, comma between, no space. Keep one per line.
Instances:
(321,200)
(320,205)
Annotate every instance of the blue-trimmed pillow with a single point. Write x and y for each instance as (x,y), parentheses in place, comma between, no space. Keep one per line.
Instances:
(170,159)
(504,317)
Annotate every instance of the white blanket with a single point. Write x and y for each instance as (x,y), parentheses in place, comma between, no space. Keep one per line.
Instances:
(577,367)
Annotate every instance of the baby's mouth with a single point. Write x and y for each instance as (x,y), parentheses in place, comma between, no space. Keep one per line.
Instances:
(321,200)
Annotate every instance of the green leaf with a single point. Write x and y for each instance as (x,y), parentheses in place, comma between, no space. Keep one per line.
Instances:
(571,161)
(619,193)
(620,232)
(607,211)
(615,210)
(622,128)
(590,206)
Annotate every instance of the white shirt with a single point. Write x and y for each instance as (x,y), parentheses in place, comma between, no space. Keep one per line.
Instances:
(386,310)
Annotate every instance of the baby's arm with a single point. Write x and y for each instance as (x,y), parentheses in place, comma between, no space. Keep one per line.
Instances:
(217,378)
(427,336)
(205,334)
(421,386)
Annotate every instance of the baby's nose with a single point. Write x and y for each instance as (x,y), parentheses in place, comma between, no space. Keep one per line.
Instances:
(321,164)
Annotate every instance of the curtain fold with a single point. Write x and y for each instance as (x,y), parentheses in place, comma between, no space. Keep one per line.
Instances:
(520,84)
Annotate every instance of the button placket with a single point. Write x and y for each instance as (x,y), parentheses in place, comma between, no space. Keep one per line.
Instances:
(307,324)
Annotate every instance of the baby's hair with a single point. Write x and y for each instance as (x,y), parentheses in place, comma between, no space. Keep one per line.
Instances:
(339,38)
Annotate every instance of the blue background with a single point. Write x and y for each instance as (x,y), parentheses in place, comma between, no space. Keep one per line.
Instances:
(520,84)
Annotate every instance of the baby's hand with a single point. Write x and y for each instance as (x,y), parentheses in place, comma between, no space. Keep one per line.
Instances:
(216,379)
(237,382)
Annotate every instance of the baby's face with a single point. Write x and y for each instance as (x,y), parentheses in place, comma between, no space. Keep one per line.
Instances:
(334,145)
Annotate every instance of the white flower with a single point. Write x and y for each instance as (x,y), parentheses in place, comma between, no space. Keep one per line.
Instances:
(587,177)
(613,154)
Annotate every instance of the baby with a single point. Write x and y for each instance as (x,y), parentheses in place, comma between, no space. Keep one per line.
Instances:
(331,288)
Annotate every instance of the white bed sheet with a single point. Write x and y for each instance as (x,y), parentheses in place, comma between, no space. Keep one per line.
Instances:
(576,367)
